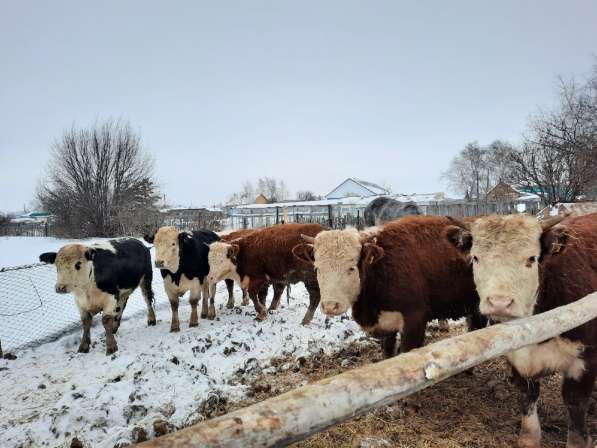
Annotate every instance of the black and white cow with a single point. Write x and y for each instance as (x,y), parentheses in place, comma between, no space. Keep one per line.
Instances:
(102,277)
(182,260)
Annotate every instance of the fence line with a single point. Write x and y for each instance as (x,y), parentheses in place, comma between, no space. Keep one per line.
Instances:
(295,415)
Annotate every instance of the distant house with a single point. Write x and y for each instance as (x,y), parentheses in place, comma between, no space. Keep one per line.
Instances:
(32,217)
(503,191)
(261,199)
(192,218)
(353,187)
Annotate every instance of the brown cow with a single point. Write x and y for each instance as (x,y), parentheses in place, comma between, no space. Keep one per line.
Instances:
(278,286)
(263,256)
(396,278)
(522,267)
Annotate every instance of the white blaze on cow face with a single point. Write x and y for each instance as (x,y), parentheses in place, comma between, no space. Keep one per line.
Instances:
(505,254)
(167,249)
(337,254)
(221,259)
(74,268)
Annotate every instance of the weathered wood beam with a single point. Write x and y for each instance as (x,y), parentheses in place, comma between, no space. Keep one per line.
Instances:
(295,415)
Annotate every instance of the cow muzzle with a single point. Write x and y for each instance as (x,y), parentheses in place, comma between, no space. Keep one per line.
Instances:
(159,264)
(333,308)
(499,307)
(61,289)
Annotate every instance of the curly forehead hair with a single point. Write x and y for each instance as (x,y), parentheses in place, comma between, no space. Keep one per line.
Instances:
(510,231)
(337,246)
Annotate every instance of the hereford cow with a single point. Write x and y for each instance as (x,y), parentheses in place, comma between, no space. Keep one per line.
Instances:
(102,277)
(263,256)
(396,278)
(182,260)
(278,286)
(522,267)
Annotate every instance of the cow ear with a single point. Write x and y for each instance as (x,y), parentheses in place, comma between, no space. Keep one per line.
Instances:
(149,238)
(304,252)
(90,254)
(48,257)
(371,253)
(554,240)
(233,252)
(460,238)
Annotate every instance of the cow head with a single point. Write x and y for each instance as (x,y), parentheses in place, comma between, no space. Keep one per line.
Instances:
(505,252)
(168,243)
(74,266)
(341,259)
(222,261)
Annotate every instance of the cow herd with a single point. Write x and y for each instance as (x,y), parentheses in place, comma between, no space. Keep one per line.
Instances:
(395,278)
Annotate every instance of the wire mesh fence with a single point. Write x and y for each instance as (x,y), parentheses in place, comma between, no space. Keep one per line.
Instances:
(31,312)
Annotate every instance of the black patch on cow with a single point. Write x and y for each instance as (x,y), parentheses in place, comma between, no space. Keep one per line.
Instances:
(123,269)
(193,252)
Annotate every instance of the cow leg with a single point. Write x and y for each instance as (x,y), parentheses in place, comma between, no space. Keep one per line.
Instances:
(577,394)
(388,345)
(204,303)
(174,323)
(121,301)
(194,297)
(230,288)
(86,318)
(262,293)
(278,290)
(287,293)
(259,308)
(245,297)
(147,292)
(530,428)
(108,322)
(210,290)
(314,296)
(413,335)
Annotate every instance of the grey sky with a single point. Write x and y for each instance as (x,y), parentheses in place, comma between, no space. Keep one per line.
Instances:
(308,91)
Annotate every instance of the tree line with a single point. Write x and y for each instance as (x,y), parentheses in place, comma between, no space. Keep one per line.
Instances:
(556,158)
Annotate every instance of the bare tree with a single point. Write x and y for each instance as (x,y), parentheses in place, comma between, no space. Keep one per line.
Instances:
(100,181)
(558,157)
(273,189)
(307,195)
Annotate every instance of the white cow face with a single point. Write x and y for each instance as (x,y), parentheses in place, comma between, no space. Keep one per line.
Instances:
(222,261)
(505,252)
(339,257)
(74,267)
(167,248)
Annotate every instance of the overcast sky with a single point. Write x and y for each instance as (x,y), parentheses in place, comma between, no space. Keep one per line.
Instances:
(308,91)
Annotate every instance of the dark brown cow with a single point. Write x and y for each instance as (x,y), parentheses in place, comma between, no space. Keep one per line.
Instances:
(522,267)
(263,256)
(278,286)
(396,278)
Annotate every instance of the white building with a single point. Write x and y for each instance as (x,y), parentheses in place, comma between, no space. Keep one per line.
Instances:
(353,187)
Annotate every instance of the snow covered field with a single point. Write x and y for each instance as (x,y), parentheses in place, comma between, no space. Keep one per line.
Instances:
(51,393)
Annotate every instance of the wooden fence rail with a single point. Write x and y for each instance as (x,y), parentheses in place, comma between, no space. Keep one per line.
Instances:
(295,415)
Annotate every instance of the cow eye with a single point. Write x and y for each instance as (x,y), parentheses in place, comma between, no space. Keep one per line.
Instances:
(173,244)
(352,269)
(78,265)
(531,261)
(475,259)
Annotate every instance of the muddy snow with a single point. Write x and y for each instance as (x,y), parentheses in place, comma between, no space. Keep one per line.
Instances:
(51,394)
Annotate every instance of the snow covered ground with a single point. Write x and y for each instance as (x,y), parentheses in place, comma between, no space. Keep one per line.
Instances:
(51,393)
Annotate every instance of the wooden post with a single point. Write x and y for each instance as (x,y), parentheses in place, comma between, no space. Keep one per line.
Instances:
(295,415)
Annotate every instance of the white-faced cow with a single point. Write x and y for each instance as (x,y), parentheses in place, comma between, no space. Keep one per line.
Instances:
(182,260)
(396,278)
(102,277)
(265,256)
(522,267)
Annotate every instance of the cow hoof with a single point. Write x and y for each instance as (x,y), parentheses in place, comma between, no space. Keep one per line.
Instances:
(114,330)
(244,303)
(230,305)
(211,315)
(151,323)
(306,321)
(193,324)
(261,317)
(203,315)
(174,329)
(528,441)
(575,440)
(83,349)
(110,350)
